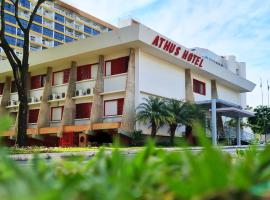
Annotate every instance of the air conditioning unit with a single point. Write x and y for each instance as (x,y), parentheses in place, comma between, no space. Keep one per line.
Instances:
(12,103)
(51,97)
(84,93)
(63,95)
(79,93)
(33,100)
(58,96)
(89,91)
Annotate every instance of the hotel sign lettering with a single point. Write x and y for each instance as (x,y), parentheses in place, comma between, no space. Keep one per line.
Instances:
(177,51)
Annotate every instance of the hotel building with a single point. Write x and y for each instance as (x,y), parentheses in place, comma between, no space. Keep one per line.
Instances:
(56,23)
(89,89)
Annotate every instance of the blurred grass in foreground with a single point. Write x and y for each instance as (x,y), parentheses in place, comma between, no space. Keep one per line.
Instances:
(152,174)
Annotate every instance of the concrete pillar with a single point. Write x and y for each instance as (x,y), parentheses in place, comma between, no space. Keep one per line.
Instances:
(214,121)
(238,131)
(6,95)
(44,111)
(129,110)
(188,86)
(214,92)
(97,105)
(69,106)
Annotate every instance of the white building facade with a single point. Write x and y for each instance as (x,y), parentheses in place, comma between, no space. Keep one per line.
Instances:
(94,86)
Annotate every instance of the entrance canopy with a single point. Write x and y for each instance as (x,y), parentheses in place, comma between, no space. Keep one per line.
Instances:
(226,109)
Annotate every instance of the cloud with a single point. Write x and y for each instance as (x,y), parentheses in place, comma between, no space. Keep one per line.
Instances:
(241,28)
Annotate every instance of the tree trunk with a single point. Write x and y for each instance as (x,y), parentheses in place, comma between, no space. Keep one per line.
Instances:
(173,128)
(153,130)
(22,116)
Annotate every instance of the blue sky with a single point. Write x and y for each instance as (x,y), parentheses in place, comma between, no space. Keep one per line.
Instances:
(227,27)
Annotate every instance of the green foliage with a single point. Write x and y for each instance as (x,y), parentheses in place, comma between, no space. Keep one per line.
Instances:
(260,124)
(151,174)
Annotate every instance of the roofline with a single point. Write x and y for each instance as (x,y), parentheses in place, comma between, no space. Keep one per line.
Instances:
(84,14)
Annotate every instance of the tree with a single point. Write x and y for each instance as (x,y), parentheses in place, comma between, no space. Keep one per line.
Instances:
(183,113)
(19,65)
(153,111)
(260,123)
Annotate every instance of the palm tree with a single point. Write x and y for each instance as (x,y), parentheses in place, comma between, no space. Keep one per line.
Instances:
(153,111)
(183,113)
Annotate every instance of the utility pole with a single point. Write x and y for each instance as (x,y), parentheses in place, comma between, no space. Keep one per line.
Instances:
(268,88)
(261,86)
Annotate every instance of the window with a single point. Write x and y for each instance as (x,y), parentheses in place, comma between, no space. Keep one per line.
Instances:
(37,81)
(61,77)
(113,107)
(36,28)
(58,36)
(38,19)
(83,110)
(10,18)
(25,3)
(68,39)
(20,43)
(47,32)
(116,66)
(59,18)
(59,27)
(84,72)
(57,43)
(57,113)
(2,88)
(20,32)
(11,40)
(88,30)
(33,116)
(95,32)
(9,7)
(24,23)
(199,87)
(10,29)
(13,87)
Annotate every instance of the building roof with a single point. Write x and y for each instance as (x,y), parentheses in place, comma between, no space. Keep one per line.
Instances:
(135,36)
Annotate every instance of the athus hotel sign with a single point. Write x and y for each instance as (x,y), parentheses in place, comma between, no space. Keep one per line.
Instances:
(177,51)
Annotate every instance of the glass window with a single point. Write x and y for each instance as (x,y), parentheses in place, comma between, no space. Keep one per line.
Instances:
(68,39)
(25,3)
(199,87)
(33,116)
(58,36)
(83,110)
(9,7)
(59,18)
(20,43)
(36,28)
(57,43)
(10,29)
(95,32)
(10,18)
(11,40)
(24,23)
(38,19)
(47,32)
(59,27)
(88,30)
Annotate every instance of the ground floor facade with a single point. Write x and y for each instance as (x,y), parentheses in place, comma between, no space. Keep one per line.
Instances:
(88,91)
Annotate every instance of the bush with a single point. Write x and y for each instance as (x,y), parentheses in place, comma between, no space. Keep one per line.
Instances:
(152,174)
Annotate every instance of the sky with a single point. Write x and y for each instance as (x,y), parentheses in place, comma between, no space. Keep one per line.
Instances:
(226,27)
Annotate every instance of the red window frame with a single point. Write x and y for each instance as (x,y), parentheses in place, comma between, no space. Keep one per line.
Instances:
(37,81)
(83,110)
(84,72)
(33,116)
(199,87)
(120,107)
(118,66)
(65,78)
(61,113)
(13,87)
(2,85)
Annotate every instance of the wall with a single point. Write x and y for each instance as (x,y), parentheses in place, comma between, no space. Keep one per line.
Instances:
(228,94)
(199,97)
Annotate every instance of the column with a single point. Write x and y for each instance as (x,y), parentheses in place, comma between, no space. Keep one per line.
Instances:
(129,110)
(97,105)
(238,131)
(5,96)
(44,111)
(188,86)
(214,121)
(69,106)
